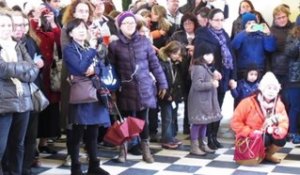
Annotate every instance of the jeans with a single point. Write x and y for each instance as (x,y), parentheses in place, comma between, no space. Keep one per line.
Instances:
(292,99)
(167,122)
(30,142)
(13,159)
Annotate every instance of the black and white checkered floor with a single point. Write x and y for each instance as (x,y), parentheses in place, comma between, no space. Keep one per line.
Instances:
(177,162)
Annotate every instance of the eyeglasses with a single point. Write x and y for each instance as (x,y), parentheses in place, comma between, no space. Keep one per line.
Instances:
(128,23)
(218,20)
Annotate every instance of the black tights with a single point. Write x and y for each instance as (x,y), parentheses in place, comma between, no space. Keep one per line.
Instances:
(91,135)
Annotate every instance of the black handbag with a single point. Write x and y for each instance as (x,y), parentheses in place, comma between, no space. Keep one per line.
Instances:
(39,100)
(82,90)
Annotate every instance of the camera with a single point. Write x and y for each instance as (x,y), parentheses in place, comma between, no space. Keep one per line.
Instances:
(258,27)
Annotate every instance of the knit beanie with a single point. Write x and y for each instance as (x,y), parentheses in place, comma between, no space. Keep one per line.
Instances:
(248,17)
(124,15)
(268,79)
(201,50)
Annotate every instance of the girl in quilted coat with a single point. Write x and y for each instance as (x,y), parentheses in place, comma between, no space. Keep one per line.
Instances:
(263,113)
(203,105)
(135,61)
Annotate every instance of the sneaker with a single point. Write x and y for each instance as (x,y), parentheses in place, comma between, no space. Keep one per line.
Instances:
(67,161)
(296,139)
(170,145)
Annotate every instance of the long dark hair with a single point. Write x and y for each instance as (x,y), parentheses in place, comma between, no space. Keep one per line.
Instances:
(73,24)
(248,2)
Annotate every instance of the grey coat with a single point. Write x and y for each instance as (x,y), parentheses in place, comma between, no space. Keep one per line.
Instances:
(203,106)
(26,71)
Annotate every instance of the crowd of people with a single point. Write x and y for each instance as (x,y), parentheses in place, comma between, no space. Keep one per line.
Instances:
(163,56)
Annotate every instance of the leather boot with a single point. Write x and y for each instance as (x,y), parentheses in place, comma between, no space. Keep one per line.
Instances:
(122,154)
(211,143)
(147,157)
(195,148)
(94,169)
(216,142)
(204,147)
(271,150)
(76,169)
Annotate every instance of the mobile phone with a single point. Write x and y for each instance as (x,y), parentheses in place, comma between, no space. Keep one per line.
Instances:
(258,27)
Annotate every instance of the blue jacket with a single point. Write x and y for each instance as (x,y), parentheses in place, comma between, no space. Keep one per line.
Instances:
(77,61)
(243,90)
(251,48)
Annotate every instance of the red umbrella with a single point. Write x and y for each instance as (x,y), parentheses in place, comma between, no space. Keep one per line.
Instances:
(123,129)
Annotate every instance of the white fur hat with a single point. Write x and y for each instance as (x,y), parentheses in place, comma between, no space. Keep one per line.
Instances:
(268,79)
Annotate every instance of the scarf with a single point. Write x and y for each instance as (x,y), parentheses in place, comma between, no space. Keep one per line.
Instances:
(268,108)
(8,54)
(225,52)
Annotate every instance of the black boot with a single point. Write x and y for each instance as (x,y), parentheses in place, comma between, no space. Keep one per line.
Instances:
(211,143)
(216,142)
(76,169)
(94,169)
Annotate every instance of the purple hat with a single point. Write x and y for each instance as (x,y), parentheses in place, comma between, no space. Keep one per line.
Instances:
(124,15)
(248,17)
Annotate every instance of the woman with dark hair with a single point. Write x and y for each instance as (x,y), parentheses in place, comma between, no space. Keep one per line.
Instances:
(85,117)
(237,25)
(186,36)
(224,67)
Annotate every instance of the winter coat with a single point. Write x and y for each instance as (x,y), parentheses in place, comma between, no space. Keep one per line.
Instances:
(280,62)
(292,52)
(77,61)
(251,48)
(135,60)
(237,26)
(48,39)
(203,105)
(175,90)
(243,90)
(248,117)
(205,37)
(26,71)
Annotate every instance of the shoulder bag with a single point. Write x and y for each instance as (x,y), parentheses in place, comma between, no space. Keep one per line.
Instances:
(82,90)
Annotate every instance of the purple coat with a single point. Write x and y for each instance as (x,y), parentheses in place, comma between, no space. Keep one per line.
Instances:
(135,60)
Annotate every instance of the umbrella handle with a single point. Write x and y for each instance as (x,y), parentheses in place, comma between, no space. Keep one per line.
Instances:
(121,119)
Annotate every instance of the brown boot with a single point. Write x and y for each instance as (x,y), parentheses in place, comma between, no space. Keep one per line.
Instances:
(123,153)
(271,150)
(147,157)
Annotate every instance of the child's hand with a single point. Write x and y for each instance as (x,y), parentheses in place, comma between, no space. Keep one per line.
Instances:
(215,83)
(232,84)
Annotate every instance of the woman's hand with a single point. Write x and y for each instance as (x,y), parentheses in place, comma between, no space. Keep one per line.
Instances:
(232,84)
(217,75)
(216,83)
(162,93)
(90,71)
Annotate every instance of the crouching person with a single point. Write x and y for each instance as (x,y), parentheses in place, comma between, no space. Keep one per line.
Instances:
(263,113)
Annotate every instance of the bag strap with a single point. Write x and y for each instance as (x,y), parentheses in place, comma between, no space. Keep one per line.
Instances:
(121,119)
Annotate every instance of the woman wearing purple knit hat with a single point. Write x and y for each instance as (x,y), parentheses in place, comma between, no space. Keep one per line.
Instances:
(135,61)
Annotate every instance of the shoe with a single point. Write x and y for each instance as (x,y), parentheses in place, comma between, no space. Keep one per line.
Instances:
(36,163)
(177,142)
(47,150)
(217,143)
(135,150)
(67,161)
(296,139)
(170,145)
(211,143)
(97,171)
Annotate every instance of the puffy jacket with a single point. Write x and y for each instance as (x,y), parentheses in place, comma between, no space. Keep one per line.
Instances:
(251,48)
(135,61)
(248,117)
(26,71)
